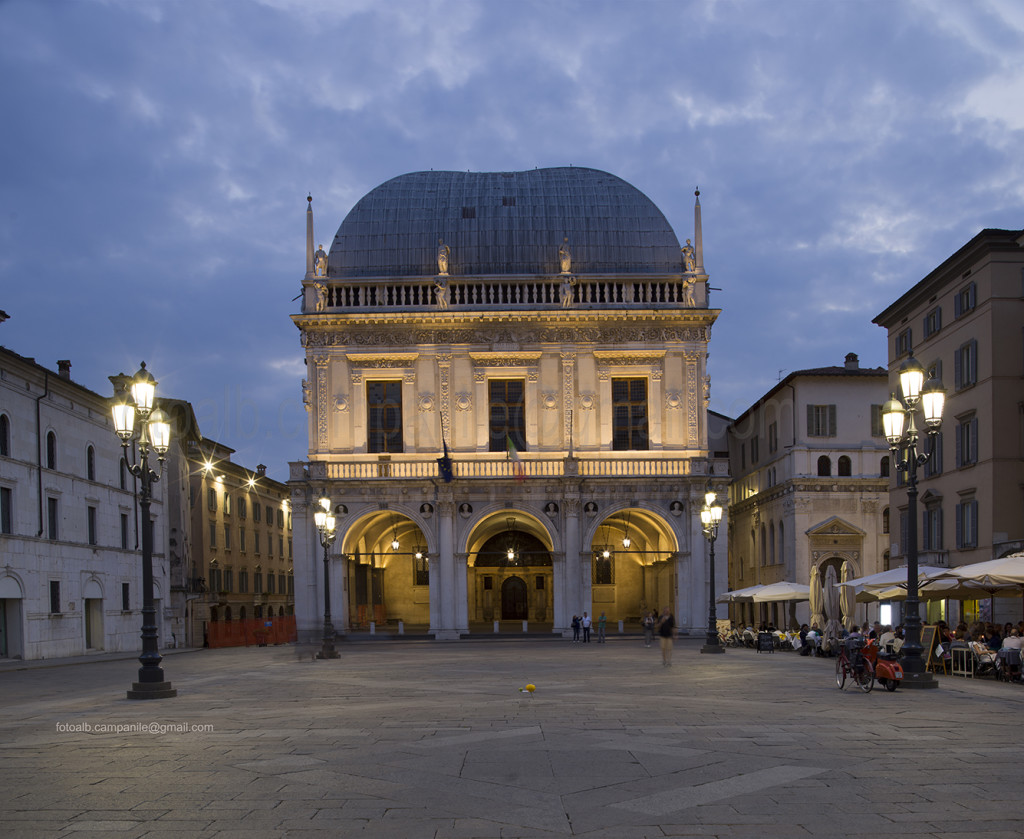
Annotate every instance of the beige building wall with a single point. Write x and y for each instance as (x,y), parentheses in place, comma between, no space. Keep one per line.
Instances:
(969,314)
(785,517)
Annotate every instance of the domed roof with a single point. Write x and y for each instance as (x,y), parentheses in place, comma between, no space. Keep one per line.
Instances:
(504,223)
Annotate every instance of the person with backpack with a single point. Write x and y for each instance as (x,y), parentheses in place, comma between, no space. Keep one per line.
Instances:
(648,624)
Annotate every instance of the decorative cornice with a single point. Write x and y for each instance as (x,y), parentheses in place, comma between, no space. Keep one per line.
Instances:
(613,357)
(504,359)
(389,334)
(378,360)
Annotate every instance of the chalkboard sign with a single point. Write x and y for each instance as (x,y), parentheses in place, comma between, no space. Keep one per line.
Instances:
(765,642)
(928,635)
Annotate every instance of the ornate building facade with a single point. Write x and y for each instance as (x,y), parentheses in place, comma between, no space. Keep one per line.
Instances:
(810,486)
(507,392)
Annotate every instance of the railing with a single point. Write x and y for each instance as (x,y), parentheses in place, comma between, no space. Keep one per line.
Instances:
(470,468)
(490,293)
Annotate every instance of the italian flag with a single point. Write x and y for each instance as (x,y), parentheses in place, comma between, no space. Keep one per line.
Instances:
(517,463)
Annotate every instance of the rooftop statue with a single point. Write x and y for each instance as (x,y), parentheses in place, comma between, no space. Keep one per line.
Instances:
(689,259)
(320,262)
(443,254)
(565,291)
(564,257)
(441,292)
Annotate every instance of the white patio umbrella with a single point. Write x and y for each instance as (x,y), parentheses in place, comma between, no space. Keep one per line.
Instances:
(846,598)
(995,572)
(817,599)
(995,578)
(740,595)
(776,592)
(870,588)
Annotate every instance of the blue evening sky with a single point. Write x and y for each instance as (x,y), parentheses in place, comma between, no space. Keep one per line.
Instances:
(156,158)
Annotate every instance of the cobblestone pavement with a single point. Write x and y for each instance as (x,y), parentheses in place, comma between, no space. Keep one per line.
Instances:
(423,739)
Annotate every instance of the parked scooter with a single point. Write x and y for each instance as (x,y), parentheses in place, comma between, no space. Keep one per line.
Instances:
(888,671)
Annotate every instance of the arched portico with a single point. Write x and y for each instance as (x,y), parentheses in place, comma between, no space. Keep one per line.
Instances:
(385,570)
(632,553)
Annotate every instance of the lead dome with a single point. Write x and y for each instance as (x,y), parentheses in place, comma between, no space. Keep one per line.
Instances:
(510,223)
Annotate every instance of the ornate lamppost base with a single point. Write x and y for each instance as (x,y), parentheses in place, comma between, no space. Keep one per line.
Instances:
(919,681)
(712,648)
(152,690)
(327,652)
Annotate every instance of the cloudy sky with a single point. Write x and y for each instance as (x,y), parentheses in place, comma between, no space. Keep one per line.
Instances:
(156,158)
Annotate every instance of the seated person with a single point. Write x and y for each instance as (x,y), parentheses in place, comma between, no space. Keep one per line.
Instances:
(1013,641)
(983,652)
(887,638)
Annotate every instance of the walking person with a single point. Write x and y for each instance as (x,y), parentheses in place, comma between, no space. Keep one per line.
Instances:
(666,632)
(648,624)
(601,625)
(575,629)
(586,628)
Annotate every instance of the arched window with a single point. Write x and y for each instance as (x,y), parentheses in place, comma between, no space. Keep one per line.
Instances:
(771,542)
(5,436)
(824,466)
(51,450)
(844,467)
(764,546)
(241,613)
(883,467)
(753,546)
(782,542)
(885,520)
(90,463)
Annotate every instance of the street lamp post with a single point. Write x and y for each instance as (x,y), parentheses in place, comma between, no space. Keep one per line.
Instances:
(153,431)
(710,518)
(902,434)
(324,520)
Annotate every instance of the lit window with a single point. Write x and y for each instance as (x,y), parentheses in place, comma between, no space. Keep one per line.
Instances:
(384,420)
(629,415)
(507,416)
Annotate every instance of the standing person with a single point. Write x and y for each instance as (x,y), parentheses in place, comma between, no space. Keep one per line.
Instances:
(575,629)
(602,623)
(586,628)
(648,623)
(666,632)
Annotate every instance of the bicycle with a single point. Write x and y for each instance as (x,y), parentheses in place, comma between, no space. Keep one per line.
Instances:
(851,662)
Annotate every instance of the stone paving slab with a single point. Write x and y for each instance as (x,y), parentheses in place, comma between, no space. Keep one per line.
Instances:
(417,739)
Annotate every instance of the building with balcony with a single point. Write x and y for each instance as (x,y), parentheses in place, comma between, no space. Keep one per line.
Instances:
(70,574)
(507,392)
(810,470)
(965,323)
(241,588)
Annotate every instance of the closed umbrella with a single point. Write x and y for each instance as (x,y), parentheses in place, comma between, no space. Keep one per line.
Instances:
(846,598)
(817,599)
(831,590)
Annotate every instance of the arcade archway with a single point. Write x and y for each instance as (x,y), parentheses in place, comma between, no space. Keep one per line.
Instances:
(509,570)
(386,569)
